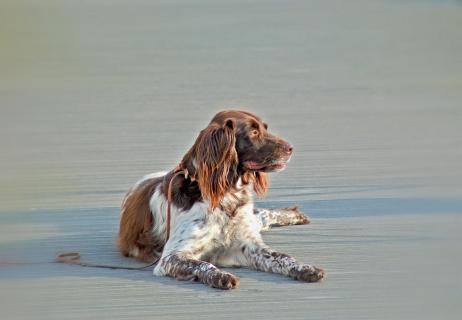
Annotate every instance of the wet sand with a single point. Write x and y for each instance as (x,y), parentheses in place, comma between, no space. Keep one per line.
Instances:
(95,94)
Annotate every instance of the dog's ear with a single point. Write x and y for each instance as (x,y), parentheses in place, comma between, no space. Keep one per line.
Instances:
(260,183)
(216,160)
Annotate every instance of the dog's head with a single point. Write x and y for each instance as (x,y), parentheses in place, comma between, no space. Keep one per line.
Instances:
(235,144)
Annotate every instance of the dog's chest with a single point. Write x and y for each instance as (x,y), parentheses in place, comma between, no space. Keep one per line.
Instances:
(225,229)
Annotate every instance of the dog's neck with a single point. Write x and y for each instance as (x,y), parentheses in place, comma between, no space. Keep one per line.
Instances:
(186,190)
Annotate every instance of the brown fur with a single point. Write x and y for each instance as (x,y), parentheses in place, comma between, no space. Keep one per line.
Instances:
(213,168)
(216,157)
(217,160)
(259,180)
(136,222)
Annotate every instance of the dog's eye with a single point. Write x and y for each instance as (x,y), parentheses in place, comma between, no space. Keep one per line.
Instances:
(254,133)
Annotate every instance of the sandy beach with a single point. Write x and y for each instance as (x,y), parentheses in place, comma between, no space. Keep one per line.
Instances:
(95,94)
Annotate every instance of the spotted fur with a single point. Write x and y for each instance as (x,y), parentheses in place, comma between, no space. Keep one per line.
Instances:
(213,219)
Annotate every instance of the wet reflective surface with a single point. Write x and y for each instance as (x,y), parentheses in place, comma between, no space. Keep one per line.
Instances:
(95,94)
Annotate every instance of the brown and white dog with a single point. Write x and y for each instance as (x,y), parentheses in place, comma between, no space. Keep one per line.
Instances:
(213,220)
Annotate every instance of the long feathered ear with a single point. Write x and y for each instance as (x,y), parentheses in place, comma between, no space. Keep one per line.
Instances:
(260,183)
(216,160)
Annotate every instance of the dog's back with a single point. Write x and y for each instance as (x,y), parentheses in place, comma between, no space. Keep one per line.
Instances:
(136,222)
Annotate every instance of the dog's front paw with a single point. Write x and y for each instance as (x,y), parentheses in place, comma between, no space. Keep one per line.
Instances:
(310,274)
(295,216)
(222,280)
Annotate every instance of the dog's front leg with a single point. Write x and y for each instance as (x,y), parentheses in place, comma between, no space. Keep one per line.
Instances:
(265,259)
(183,268)
(277,217)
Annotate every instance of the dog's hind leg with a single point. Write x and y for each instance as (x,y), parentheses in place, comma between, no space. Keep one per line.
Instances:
(280,217)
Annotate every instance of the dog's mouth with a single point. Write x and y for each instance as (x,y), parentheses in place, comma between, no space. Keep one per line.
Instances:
(273,166)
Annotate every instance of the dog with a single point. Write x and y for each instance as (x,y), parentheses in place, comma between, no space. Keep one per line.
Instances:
(207,204)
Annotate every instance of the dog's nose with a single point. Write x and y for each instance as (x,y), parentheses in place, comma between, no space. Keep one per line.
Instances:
(288,148)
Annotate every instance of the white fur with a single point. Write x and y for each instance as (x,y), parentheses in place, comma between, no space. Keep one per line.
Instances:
(200,239)
(136,185)
(151,176)
(201,234)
